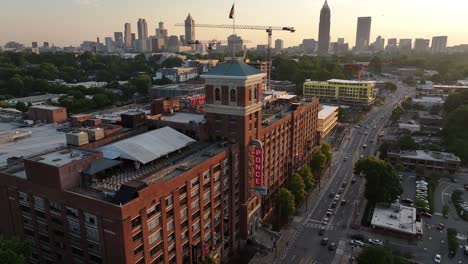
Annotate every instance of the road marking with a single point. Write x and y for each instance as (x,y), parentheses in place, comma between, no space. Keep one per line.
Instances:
(443,191)
(438,214)
(293,257)
(319,226)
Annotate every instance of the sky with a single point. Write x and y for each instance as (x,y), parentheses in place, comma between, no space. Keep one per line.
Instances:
(69,22)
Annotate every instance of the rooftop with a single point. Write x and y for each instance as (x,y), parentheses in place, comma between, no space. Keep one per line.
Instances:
(429,155)
(148,146)
(233,68)
(61,157)
(182,117)
(43,137)
(397,218)
(350,81)
(178,86)
(326,110)
(35,98)
(47,107)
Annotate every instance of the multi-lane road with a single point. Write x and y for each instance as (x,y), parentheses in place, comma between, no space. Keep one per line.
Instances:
(306,248)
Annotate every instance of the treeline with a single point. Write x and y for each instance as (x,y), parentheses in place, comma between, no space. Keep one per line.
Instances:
(455,129)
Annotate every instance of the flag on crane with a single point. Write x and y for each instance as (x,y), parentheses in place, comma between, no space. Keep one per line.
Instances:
(231,14)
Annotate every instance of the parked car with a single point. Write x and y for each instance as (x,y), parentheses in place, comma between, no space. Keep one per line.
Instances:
(337,197)
(332,246)
(353,180)
(358,237)
(325,221)
(321,231)
(333,205)
(437,258)
(324,241)
(340,191)
(375,242)
(331,195)
(343,202)
(344,184)
(357,243)
(426,214)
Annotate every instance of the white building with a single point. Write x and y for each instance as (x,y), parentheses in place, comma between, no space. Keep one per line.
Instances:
(397,218)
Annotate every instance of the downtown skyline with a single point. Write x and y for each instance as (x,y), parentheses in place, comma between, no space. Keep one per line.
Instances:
(86,19)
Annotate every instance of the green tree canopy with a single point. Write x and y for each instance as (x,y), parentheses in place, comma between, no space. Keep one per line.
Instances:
(375,65)
(455,132)
(382,181)
(297,187)
(14,251)
(407,142)
(284,203)
(172,62)
(142,82)
(318,162)
(307,176)
(327,151)
(380,255)
(208,259)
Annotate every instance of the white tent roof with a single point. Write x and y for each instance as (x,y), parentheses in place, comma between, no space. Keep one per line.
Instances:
(148,146)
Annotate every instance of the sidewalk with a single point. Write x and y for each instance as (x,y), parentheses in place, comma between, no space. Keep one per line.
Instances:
(287,236)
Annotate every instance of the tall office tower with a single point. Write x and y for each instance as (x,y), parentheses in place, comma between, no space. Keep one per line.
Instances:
(340,41)
(405,45)
(189,29)
(161,32)
(235,44)
(34,44)
(173,43)
(142,29)
(97,40)
(182,39)
(379,44)
(391,45)
(46,44)
(133,37)
(309,45)
(439,44)
(128,35)
(324,29)
(279,44)
(109,44)
(421,45)
(118,40)
(363,33)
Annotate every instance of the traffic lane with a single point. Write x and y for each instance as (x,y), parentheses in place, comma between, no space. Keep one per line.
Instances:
(308,247)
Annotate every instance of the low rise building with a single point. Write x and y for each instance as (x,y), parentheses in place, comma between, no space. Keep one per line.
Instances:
(176,90)
(431,160)
(341,91)
(286,86)
(398,219)
(47,113)
(36,99)
(429,101)
(327,120)
(178,74)
(411,128)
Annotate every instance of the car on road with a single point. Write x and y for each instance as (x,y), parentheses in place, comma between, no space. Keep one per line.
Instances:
(437,258)
(325,221)
(375,242)
(407,201)
(357,243)
(353,180)
(331,195)
(454,180)
(365,133)
(345,159)
(337,197)
(328,214)
(340,191)
(344,184)
(440,226)
(426,214)
(324,241)
(333,205)
(332,246)
(343,202)
(321,231)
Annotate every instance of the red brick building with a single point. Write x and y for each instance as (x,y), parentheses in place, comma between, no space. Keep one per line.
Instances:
(160,196)
(47,113)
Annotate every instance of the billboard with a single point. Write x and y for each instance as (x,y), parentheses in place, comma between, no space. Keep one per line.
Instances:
(258,167)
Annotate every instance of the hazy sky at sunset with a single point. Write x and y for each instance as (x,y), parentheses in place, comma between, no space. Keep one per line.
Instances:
(69,22)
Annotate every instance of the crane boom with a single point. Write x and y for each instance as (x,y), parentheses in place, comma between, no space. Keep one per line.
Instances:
(249,27)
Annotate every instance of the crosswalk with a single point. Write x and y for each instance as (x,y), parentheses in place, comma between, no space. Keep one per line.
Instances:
(314,225)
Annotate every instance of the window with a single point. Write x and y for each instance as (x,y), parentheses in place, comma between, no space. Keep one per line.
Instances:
(170,237)
(195,204)
(217,94)
(90,219)
(250,94)
(195,192)
(23,197)
(138,249)
(153,210)
(206,175)
(169,201)
(232,96)
(206,196)
(38,203)
(184,235)
(72,212)
(55,206)
(136,221)
(153,224)
(152,238)
(183,213)
(156,249)
(255,93)
(196,226)
(195,182)
(170,225)
(170,213)
(73,226)
(92,234)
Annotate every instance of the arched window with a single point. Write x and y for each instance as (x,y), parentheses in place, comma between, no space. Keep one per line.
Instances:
(250,95)
(232,96)
(255,92)
(217,94)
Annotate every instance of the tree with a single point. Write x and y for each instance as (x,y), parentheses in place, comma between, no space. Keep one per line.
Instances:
(172,62)
(21,106)
(406,142)
(307,176)
(343,114)
(327,151)
(142,82)
(420,203)
(452,241)
(455,132)
(15,86)
(375,65)
(382,181)
(390,86)
(101,100)
(396,114)
(48,71)
(284,204)
(297,187)
(379,254)
(14,251)
(318,162)
(208,259)
(385,147)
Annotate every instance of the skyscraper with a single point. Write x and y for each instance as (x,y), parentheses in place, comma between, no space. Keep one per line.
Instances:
(421,45)
(109,44)
(34,44)
(189,29)
(324,29)
(161,32)
(128,35)
(363,33)
(279,44)
(405,45)
(379,44)
(439,44)
(142,29)
(118,40)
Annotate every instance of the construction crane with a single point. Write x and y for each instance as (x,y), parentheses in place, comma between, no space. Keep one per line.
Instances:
(268,29)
